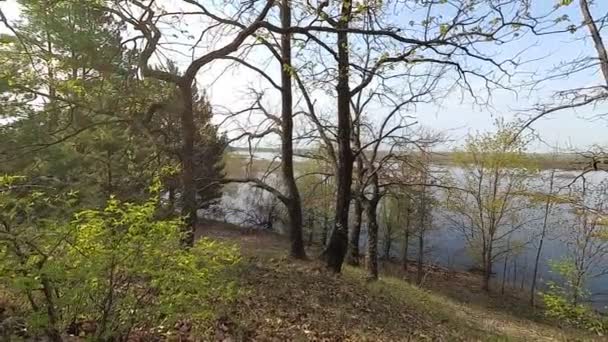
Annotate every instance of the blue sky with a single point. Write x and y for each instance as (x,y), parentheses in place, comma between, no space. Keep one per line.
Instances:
(455,115)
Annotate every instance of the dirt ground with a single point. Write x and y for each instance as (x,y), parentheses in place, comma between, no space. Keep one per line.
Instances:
(289,300)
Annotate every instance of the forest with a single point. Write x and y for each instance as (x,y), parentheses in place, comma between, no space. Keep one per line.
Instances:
(284,170)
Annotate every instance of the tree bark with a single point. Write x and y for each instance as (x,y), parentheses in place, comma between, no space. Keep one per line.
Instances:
(325,229)
(53,112)
(514,271)
(338,241)
(542,240)
(602,54)
(51,331)
(109,180)
(504,274)
(372,238)
(406,243)
(420,269)
(187,157)
(388,242)
(355,234)
(421,230)
(171,195)
(487,268)
(294,205)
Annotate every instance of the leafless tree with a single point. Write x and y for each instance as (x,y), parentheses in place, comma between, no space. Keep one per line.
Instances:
(281,125)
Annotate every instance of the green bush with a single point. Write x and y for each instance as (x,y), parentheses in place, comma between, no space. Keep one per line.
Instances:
(562,301)
(558,307)
(118,269)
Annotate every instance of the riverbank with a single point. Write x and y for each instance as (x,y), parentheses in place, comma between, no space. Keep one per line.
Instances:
(299,301)
(280,299)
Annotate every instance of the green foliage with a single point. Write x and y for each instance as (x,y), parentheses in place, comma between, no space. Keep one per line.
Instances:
(562,301)
(119,267)
(79,110)
(489,197)
(559,308)
(503,149)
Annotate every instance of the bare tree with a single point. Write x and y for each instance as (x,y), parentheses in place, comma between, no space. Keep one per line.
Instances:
(280,125)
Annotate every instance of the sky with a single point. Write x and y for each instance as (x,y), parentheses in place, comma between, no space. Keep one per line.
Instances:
(453,115)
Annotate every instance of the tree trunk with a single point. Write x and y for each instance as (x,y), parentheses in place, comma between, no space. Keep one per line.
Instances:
(487,268)
(421,230)
(406,240)
(171,200)
(514,271)
(597,38)
(311,230)
(109,180)
(504,274)
(294,204)
(51,331)
(295,228)
(420,270)
(310,235)
(388,241)
(187,157)
(325,230)
(542,240)
(53,119)
(406,243)
(355,234)
(338,241)
(372,239)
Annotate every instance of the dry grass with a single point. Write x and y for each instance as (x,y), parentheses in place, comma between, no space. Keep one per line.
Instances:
(287,300)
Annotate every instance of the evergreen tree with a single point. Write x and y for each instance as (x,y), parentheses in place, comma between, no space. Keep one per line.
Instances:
(77,108)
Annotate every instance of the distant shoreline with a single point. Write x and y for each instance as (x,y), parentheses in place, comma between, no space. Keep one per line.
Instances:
(546,161)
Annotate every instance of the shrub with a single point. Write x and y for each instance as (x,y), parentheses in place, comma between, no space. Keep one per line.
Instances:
(116,270)
(562,301)
(558,307)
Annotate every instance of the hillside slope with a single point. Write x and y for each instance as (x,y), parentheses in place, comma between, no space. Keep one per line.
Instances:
(287,300)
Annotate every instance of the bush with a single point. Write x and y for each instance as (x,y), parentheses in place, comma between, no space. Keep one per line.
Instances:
(108,272)
(562,301)
(558,307)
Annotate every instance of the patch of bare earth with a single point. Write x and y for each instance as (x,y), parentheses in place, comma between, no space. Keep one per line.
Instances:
(289,300)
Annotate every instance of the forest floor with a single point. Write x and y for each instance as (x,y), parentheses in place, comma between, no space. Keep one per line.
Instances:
(290,300)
